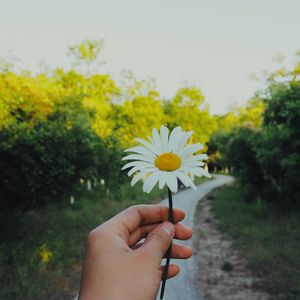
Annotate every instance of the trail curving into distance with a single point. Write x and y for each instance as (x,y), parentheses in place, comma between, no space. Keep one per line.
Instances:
(182,286)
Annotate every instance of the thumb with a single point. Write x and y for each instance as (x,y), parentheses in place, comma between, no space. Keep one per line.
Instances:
(159,240)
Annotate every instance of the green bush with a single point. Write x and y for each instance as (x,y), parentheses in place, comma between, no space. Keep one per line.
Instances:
(268,239)
(45,163)
(239,153)
(278,151)
(267,160)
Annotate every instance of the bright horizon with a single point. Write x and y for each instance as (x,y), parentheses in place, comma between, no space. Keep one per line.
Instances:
(214,45)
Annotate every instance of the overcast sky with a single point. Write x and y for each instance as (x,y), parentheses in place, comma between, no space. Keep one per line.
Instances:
(215,45)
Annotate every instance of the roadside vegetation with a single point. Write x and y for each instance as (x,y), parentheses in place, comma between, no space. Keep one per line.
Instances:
(267,238)
(43,249)
(62,129)
(262,210)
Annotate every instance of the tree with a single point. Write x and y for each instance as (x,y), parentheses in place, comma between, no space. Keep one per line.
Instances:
(43,164)
(22,100)
(136,118)
(188,110)
(95,94)
(249,115)
(279,150)
(265,156)
(87,53)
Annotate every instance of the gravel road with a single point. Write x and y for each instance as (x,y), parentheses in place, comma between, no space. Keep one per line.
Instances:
(181,287)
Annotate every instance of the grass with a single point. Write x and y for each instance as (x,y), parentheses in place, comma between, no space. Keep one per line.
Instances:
(199,180)
(269,240)
(41,250)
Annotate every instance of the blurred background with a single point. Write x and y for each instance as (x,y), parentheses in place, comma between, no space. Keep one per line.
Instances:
(80,80)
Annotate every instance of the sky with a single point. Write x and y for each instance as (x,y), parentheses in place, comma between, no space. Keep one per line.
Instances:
(216,45)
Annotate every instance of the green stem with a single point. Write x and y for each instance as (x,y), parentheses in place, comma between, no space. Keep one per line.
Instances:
(169,251)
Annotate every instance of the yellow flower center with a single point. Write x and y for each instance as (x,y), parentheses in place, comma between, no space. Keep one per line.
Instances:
(168,162)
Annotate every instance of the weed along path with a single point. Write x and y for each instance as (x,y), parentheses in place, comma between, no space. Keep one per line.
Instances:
(183,286)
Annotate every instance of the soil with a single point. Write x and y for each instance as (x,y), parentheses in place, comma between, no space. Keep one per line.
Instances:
(223,273)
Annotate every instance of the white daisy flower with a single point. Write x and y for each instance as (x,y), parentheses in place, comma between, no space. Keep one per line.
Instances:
(164,159)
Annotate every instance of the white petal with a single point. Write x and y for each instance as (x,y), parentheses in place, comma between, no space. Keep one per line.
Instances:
(162,179)
(196,171)
(133,170)
(182,176)
(198,157)
(192,185)
(185,179)
(189,149)
(138,157)
(140,164)
(192,164)
(171,181)
(137,177)
(144,170)
(141,150)
(182,142)
(156,140)
(148,145)
(201,157)
(177,139)
(174,136)
(164,135)
(150,181)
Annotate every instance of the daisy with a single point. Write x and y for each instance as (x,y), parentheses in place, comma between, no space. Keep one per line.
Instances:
(164,159)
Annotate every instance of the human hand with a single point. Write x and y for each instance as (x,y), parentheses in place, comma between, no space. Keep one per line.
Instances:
(117,266)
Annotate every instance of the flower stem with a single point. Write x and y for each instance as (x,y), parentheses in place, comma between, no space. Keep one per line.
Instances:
(171,213)
(168,254)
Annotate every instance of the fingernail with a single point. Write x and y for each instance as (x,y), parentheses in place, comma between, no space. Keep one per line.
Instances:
(168,228)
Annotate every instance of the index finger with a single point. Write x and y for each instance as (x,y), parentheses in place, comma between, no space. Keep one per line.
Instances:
(138,215)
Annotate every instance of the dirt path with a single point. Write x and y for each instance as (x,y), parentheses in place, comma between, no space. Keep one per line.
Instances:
(212,252)
(182,287)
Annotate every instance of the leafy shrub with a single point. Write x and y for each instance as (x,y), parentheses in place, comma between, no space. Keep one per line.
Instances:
(44,163)
(267,160)
(278,151)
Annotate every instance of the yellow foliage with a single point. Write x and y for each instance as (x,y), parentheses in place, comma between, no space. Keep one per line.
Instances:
(187,110)
(102,123)
(22,100)
(136,118)
(250,115)
(45,254)
(94,92)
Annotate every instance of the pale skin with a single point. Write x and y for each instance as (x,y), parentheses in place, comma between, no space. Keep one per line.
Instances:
(118,265)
